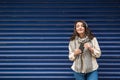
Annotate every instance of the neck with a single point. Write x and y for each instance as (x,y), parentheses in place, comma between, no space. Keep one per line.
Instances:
(82,35)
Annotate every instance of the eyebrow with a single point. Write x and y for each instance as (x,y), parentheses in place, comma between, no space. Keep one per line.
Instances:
(79,24)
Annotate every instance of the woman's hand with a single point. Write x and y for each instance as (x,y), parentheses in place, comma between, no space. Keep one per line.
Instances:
(77,52)
(87,45)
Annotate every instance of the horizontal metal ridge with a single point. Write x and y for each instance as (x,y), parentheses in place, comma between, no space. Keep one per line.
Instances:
(42,64)
(41,47)
(37,29)
(50,46)
(53,77)
(61,2)
(109,68)
(109,77)
(60,9)
(106,72)
(64,29)
(33,55)
(17,68)
(104,77)
(36,42)
(52,21)
(59,38)
(116,60)
(53,55)
(53,60)
(50,42)
(49,72)
(12,51)
(14,16)
(36,68)
(109,64)
(13,19)
(35,72)
(34,24)
(36,33)
(33,51)
(56,6)
(48,33)
(37,60)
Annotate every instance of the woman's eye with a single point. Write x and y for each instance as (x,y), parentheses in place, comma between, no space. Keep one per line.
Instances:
(79,26)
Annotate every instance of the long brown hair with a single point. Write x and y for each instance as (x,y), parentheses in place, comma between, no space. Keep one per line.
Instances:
(87,31)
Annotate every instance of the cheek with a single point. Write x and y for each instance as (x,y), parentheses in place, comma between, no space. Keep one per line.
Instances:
(83,29)
(80,29)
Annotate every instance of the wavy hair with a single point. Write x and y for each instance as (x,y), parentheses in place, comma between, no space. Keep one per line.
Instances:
(87,31)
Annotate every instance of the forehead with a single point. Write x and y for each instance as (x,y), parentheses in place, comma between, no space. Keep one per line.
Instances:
(79,23)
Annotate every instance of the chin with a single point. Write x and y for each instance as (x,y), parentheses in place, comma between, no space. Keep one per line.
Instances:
(80,32)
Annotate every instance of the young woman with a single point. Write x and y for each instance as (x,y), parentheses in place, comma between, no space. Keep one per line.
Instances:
(83,51)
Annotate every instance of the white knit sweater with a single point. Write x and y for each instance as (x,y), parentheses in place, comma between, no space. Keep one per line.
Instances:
(76,61)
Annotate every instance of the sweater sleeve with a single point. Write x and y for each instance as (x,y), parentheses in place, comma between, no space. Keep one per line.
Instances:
(97,52)
(71,51)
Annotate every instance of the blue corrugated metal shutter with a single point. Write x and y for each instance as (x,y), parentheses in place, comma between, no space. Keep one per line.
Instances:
(34,36)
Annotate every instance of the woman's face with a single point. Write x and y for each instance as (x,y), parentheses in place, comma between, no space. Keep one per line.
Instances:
(79,28)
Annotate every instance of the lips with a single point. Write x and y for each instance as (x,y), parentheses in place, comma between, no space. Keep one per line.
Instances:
(80,31)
